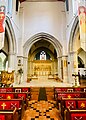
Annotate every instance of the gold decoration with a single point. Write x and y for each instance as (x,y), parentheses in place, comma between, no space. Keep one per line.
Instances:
(65,63)
(3,105)
(9,97)
(82,105)
(69,96)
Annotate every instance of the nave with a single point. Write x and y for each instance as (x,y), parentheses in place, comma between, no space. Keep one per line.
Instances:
(42,109)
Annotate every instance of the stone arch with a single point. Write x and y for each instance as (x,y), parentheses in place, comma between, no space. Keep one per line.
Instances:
(47,37)
(74,45)
(11,36)
(38,37)
(74,31)
(11,41)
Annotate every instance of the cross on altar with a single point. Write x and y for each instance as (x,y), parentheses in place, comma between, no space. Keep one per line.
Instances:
(3,105)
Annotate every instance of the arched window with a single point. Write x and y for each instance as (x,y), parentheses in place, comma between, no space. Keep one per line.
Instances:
(42,55)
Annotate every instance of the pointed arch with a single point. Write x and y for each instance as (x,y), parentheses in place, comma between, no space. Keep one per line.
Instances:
(11,36)
(37,37)
(74,30)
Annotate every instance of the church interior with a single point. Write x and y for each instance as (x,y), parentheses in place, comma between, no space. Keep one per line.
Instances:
(42,59)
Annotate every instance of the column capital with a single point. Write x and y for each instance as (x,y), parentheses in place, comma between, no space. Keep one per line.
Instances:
(11,53)
(73,52)
(62,56)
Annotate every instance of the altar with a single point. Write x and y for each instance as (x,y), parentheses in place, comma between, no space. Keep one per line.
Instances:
(41,69)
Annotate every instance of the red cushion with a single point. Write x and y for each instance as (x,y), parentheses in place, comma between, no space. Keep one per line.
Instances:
(77,95)
(61,89)
(24,89)
(78,116)
(64,89)
(14,104)
(22,95)
(9,89)
(77,89)
(4,105)
(61,95)
(2,117)
(70,95)
(2,96)
(70,104)
(2,90)
(81,104)
(9,96)
(58,89)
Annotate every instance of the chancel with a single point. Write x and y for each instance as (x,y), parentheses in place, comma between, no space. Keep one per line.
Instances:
(42,59)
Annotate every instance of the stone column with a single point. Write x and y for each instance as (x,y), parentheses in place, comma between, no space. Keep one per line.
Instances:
(11,61)
(70,67)
(25,64)
(74,67)
(59,67)
(29,70)
(65,68)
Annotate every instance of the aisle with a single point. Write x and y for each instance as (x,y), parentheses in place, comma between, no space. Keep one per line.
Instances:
(42,94)
(42,110)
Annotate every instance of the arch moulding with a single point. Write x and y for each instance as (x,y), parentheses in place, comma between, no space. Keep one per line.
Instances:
(45,36)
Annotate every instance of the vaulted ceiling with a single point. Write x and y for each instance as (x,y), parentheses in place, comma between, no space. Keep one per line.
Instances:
(41,0)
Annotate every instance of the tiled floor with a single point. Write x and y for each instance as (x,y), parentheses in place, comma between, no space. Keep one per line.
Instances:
(42,110)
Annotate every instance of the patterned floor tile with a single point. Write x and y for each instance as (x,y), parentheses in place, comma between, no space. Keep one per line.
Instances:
(42,110)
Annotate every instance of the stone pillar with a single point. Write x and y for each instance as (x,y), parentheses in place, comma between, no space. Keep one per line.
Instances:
(65,68)
(29,68)
(74,68)
(25,64)
(55,67)
(11,61)
(70,67)
(59,67)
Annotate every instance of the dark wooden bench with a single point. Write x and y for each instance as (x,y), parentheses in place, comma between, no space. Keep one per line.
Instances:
(59,95)
(69,89)
(9,114)
(13,95)
(72,103)
(76,114)
(10,104)
(15,89)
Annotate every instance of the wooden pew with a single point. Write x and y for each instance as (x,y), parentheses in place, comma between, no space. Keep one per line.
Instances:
(6,90)
(69,89)
(13,95)
(10,104)
(17,90)
(8,114)
(59,95)
(72,103)
(76,114)
(14,89)
(23,89)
